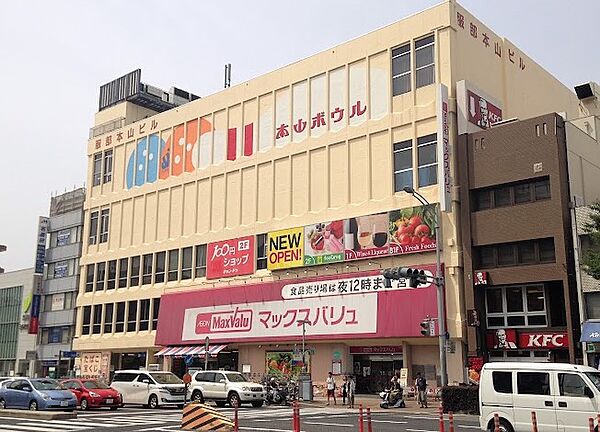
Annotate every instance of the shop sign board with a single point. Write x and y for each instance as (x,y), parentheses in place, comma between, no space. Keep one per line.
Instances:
(230,258)
(543,340)
(375,350)
(324,243)
(443,149)
(270,311)
(285,249)
(95,365)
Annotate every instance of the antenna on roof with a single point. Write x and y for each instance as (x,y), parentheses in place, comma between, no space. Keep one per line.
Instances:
(228,75)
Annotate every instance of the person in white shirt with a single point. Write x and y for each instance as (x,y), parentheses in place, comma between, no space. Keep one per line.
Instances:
(331,389)
(351,391)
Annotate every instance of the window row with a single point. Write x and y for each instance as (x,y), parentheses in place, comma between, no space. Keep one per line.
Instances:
(120,317)
(158,267)
(55,335)
(516,306)
(65,236)
(61,269)
(512,194)
(426,162)
(99,225)
(102,167)
(58,302)
(538,383)
(424,65)
(526,252)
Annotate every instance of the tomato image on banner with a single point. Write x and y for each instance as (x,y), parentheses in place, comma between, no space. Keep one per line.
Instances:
(412,229)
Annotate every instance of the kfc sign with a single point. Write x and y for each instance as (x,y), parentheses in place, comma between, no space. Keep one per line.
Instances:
(480,278)
(543,340)
(230,258)
(481,111)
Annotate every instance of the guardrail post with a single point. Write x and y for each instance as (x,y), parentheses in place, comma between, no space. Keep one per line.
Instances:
(361,425)
(534,427)
(591,424)
(496,423)
(451,420)
(236,421)
(441,412)
(369,425)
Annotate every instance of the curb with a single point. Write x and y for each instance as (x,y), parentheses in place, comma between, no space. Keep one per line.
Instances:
(43,415)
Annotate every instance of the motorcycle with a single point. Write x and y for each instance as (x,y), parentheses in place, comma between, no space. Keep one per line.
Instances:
(276,393)
(392,399)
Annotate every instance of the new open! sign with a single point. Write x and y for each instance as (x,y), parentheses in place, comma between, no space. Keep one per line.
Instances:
(285,249)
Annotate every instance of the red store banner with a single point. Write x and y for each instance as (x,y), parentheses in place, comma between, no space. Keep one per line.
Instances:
(344,306)
(543,340)
(230,258)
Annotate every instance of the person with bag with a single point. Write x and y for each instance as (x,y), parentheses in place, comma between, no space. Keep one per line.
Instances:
(421,385)
(331,389)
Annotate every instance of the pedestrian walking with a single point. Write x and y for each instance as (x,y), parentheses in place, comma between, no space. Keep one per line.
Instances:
(421,385)
(331,389)
(351,390)
(345,390)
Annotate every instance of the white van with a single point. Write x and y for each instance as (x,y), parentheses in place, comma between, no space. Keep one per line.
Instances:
(148,388)
(563,396)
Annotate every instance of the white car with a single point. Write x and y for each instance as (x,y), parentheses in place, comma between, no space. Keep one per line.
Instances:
(225,387)
(562,395)
(147,388)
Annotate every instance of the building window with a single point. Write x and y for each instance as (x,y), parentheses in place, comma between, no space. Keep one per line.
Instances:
(427,153)
(542,189)
(502,197)
(513,254)
(104,223)
(97,327)
(512,194)
(147,269)
(108,164)
(155,309)
(592,305)
(144,314)
(424,61)
(261,251)
(120,318)
(100,275)
(516,306)
(173,265)
(123,271)
(186,263)
(112,274)
(403,165)
(97,169)
(93,227)
(200,261)
(401,80)
(134,277)
(159,276)
(55,335)
(108,318)
(89,277)
(60,270)
(132,315)
(87,315)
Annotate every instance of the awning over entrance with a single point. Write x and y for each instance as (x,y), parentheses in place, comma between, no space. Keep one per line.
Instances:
(197,350)
(590,331)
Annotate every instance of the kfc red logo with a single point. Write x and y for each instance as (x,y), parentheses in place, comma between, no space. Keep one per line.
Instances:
(224,322)
(543,340)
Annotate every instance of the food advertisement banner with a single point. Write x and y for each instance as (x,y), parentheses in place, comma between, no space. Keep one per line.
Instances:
(285,249)
(230,258)
(324,243)
(284,364)
(336,307)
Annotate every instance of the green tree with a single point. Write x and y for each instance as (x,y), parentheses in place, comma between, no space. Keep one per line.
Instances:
(591,258)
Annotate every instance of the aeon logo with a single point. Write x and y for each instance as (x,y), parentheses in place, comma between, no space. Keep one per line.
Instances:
(224,322)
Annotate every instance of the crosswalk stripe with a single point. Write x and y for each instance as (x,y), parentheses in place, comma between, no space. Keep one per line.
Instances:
(85,425)
(62,423)
(34,427)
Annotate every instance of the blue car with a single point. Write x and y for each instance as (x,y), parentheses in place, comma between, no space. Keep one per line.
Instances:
(36,394)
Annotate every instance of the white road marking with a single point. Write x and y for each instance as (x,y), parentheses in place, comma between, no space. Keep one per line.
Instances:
(328,424)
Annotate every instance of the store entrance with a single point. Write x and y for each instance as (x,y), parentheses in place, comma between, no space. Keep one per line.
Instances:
(223,361)
(374,372)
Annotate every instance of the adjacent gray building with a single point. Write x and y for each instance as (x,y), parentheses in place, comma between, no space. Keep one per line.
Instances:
(61,284)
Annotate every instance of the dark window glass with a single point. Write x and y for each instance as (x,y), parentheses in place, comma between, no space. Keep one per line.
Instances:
(483,199)
(571,385)
(123,271)
(514,321)
(186,263)
(104,225)
(401,76)
(261,251)
(144,314)
(403,165)
(200,261)
(93,228)
(514,299)
(147,269)
(502,197)
(108,163)
(522,193)
(112,274)
(536,320)
(496,322)
(125,377)
(87,316)
(486,257)
(108,317)
(134,277)
(502,382)
(97,327)
(534,383)
(173,265)
(97,169)
(542,189)
(424,61)
(535,299)
(132,315)
(427,156)
(100,274)
(401,84)
(506,255)
(526,252)
(159,276)
(155,310)
(120,318)
(89,277)
(494,300)
(546,248)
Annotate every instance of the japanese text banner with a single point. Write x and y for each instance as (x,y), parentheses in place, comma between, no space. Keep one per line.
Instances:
(230,258)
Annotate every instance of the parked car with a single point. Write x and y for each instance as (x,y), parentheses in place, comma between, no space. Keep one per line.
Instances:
(147,388)
(225,387)
(563,396)
(93,394)
(36,394)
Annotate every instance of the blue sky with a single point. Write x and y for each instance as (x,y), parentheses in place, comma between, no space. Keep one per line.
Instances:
(54,55)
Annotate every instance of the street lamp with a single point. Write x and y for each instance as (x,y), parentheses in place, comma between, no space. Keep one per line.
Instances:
(303,324)
(439,283)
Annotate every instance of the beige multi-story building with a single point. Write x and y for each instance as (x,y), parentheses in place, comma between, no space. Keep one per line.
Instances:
(266,210)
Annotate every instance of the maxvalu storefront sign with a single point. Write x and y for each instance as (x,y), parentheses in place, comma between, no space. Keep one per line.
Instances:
(350,305)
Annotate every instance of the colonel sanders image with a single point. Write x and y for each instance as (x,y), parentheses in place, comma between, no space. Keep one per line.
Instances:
(484,121)
(501,342)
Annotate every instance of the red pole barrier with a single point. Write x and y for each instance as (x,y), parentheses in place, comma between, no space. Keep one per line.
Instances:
(236,422)
(591,424)
(298,415)
(361,425)
(451,420)
(534,422)
(369,425)
(442,425)
(496,423)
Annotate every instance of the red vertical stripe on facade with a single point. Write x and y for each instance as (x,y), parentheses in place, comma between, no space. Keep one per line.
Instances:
(231,143)
(248,139)
(178,146)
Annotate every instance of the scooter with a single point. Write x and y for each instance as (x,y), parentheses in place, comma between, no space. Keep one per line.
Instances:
(392,399)
(276,393)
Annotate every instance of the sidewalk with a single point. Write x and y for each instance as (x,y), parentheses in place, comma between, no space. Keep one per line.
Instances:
(372,402)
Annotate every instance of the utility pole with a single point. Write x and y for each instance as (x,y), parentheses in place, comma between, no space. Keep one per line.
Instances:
(303,323)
